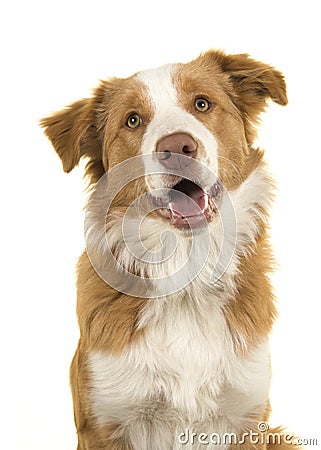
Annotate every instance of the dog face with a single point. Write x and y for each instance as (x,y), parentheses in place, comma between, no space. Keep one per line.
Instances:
(191,119)
(189,191)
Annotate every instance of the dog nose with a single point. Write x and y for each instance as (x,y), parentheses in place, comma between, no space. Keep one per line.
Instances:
(172,145)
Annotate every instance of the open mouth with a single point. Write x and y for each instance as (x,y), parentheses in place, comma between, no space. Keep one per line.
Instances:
(189,205)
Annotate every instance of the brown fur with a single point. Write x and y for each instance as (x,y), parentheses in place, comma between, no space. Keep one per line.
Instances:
(89,436)
(252,311)
(107,318)
(94,129)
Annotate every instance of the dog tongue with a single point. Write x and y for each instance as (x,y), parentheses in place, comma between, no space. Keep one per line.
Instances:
(189,202)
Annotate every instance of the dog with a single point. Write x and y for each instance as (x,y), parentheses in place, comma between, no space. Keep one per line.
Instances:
(175,304)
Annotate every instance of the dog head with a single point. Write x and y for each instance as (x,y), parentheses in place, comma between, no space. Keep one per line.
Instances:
(188,117)
(182,136)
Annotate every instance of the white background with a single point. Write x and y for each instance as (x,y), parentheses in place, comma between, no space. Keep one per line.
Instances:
(53,53)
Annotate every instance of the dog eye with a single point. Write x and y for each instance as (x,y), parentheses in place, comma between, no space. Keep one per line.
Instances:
(133,121)
(202,105)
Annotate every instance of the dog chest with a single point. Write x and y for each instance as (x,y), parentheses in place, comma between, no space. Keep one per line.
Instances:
(184,368)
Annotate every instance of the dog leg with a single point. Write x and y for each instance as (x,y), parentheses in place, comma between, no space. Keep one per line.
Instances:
(90,437)
(106,438)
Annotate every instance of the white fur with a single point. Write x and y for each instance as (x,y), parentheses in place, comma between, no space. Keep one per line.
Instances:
(169,117)
(185,373)
(175,259)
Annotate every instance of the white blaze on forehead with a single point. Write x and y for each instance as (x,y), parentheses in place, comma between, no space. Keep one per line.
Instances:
(160,86)
(170,117)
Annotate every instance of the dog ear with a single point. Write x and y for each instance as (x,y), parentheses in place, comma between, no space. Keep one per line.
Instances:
(253,81)
(73,134)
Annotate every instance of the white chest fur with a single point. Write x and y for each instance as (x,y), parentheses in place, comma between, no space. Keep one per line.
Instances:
(184,374)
